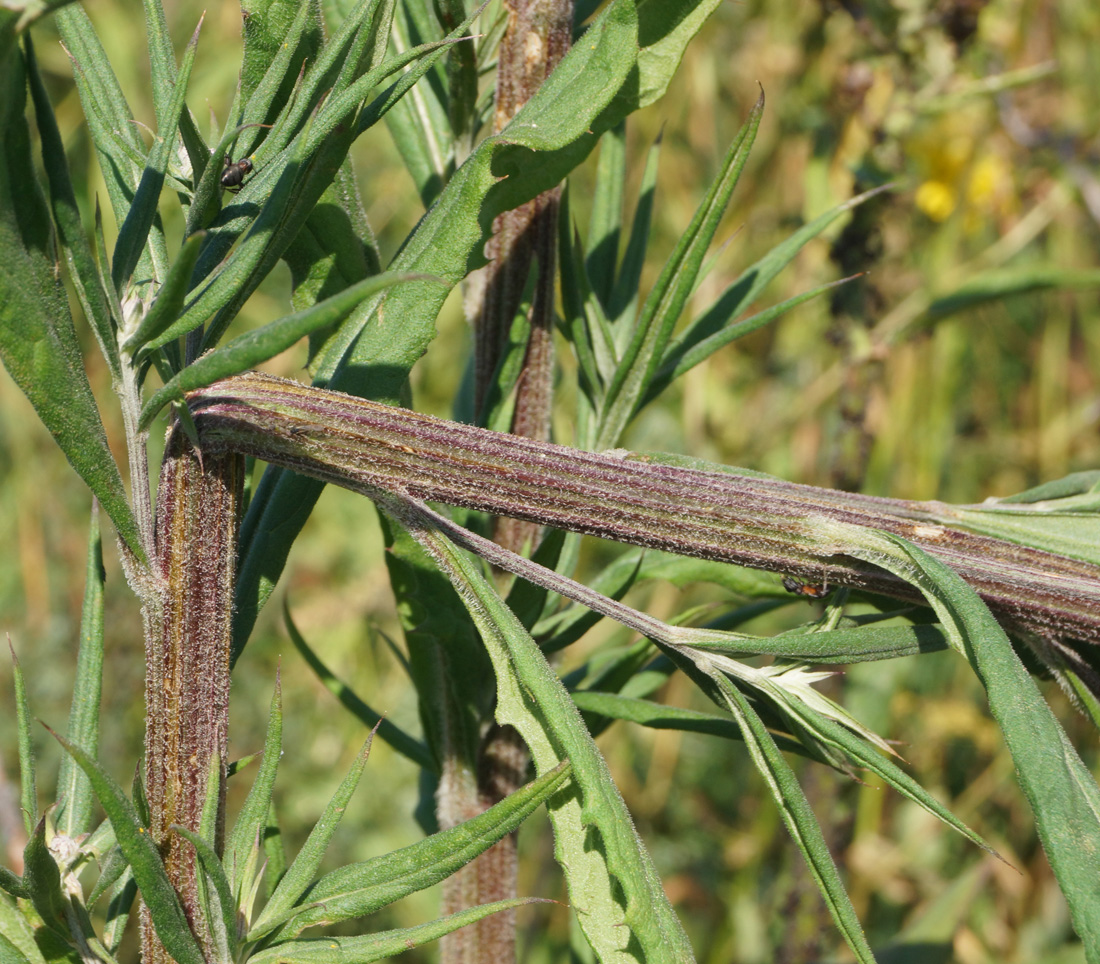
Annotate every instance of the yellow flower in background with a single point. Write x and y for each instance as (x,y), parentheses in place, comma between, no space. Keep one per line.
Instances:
(935,199)
(954,173)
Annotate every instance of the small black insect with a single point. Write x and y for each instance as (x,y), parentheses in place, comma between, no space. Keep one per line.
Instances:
(810,590)
(235,171)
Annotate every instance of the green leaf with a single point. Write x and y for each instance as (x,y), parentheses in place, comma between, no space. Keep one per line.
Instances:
(397,738)
(123,895)
(624,296)
(160,898)
(42,880)
(251,349)
(119,147)
(1001,283)
(793,806)
(1062,793)
(363,888)
(74,790)
(18,933)
(681,358)
(669,295)
(169,301)
(134,231)
(301,872)
(657,716)
(376,947)
(66,216)
(611,878)
(605,224)
(221,917)
(266,26)
(38,343)
(12,883)
(241,847)
(28,792)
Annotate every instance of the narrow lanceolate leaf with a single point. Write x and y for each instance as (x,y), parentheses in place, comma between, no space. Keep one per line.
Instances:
(613,884)
(255,347)
(1063,794)
(134,232)
(137,844)
(668,297)
(28,792)
(712,329)
(221,909)
(70,231)
(74,790)
(793,807)
(169,301)
(380,946)
(362,888)
(42,880)
(38,343)
(408,746)
(241,848)
(118,144)
(300,874)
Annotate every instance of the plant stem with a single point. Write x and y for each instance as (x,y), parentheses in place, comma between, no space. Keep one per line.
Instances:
(761,522)
(187,659)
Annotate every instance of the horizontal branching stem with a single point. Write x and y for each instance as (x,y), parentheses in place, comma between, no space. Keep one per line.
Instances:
(755,521)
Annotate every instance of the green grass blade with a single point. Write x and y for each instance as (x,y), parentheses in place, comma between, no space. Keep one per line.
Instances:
(1062,793)
(74,789)
(380,946)
(255,347)
(134,232)
(165,910)
(240,848)
(668,297)
(397,738)
(610,875)
(28,791)
(363,888)
(74,243)
(302,871)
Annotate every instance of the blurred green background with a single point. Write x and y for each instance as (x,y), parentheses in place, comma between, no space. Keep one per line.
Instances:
(987,117)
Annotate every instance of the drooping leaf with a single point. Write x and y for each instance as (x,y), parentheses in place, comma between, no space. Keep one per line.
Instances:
(38,342)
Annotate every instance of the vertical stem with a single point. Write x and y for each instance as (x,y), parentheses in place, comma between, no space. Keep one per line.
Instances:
(187,659)
(539,33)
